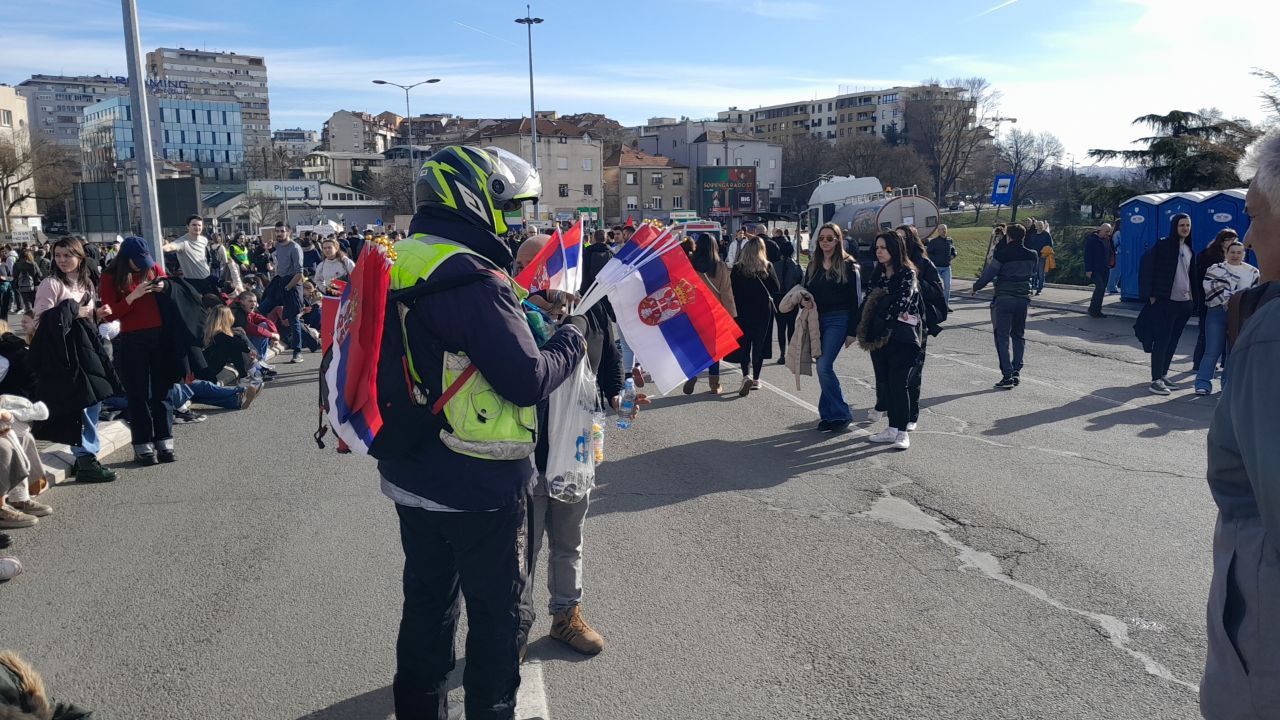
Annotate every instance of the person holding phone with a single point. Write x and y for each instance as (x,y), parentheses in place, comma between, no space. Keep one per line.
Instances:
(129,286)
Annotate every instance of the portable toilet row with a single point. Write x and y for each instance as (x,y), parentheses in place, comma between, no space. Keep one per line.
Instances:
(1146,219)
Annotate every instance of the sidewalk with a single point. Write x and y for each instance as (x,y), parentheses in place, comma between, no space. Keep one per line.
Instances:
(1071,298)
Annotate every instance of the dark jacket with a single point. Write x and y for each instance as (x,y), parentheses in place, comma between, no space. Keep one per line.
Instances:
(484,320)
(1157,269)
(23,695)
(595,257)
(20,378)
(941,250)
(182,314)
(605,361)
(1012,266)
(26,276)
(933,296)
(72,371)
(1098,253)
(789,275)
(223,351)
(1038,241)
(888,299)
(1242,665)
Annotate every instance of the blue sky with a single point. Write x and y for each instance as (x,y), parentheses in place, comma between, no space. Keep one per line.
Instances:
(1082,69)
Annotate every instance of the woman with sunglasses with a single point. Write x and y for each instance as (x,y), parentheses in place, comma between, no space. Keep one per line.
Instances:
(834,281)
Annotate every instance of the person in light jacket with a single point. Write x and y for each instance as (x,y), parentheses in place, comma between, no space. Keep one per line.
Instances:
(1242,666)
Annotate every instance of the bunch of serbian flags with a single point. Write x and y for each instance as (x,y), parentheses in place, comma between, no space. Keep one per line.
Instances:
(672,321)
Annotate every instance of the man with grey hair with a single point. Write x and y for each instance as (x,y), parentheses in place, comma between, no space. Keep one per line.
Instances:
(1242,670)
(1099,256)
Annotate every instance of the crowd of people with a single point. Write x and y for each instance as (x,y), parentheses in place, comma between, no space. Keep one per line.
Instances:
(102,331)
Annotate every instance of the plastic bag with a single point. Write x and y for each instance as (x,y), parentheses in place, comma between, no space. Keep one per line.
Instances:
(571,420)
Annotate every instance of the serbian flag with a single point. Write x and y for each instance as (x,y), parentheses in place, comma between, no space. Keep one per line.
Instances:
(352,376)
(672,321)
(558,265)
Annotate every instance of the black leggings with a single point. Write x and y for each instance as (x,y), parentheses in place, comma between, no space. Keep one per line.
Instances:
(756,365)
(786,327)
(894,364)
(142,358)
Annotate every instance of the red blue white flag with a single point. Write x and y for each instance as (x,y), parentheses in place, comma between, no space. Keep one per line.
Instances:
(352,375)
(558,265)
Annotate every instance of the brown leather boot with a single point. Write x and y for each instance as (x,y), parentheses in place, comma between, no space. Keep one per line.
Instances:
(569,627)
(715,385)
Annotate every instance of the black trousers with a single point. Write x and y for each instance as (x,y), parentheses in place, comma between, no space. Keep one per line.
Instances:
(1171,319)
(479,554)
(894,364)
(1099,290)
(786,327)
(913,383)
(140,357)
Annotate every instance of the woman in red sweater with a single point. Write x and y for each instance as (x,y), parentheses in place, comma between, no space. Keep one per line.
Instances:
(128,286)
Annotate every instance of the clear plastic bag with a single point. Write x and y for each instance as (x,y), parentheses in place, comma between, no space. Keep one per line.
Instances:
(572,426)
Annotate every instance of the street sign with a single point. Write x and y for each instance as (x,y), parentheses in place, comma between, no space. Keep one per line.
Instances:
(678,215)
(1002,190)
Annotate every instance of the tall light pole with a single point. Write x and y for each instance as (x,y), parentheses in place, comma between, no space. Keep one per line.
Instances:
(150,210)
(409,119)
(529,21)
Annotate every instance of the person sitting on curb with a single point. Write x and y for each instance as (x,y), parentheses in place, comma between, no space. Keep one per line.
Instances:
(20,464)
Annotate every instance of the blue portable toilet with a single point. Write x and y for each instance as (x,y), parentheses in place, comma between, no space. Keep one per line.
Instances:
(1138,231)
(1222,210)
(1183,202)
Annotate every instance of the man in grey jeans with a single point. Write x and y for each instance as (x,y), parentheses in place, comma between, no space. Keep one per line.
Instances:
(1013,266)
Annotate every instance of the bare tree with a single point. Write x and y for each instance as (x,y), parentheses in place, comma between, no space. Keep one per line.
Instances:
(393,185)
(805,159)
(24,157)
(946,124)
(1028,156)
(868,156)
(263,209)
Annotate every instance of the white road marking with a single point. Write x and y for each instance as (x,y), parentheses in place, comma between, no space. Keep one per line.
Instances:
(531,701)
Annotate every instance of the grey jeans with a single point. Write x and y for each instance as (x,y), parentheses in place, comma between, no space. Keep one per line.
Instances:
(1009,318)
(562,524)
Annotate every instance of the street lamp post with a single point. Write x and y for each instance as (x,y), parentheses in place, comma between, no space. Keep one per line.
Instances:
(144,151)
(529,21)
(408,117)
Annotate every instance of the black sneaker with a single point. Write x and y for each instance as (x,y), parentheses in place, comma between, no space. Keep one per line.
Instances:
(1007,383)
(182,417)
(146,459)
(1017,380)
(165,456)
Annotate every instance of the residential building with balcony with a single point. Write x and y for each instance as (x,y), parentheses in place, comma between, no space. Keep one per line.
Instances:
(56,103)
(643,186)
(15,130)
(295,141)
(343,168)
(871,112)
(699,143)
(348,131)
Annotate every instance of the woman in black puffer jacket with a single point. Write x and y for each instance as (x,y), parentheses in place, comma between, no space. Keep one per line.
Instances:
(891,330)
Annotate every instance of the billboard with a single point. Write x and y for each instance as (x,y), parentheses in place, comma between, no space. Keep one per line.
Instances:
(295,189)
(724,190)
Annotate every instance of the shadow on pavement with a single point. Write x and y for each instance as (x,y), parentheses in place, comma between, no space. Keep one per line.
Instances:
(373,705)
(546,648)
(1181,411)
(674,474)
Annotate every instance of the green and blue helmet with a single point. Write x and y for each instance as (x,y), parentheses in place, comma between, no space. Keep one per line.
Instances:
(477,184)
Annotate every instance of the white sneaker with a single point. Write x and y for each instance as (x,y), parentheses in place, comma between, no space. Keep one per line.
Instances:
(903,442)
(10,568)
(886,435)
(911,426)
(874,415)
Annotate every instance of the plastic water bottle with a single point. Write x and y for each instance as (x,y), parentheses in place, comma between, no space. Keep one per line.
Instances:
(597,438)
(627,411)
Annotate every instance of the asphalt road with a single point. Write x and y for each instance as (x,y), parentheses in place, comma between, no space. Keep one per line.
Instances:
(1038,553)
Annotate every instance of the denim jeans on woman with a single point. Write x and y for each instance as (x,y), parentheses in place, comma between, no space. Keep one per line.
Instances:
(1215,348)
(831,404)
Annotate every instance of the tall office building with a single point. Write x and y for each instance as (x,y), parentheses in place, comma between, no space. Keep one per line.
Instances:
(218,77)
(56,103)
(204,135)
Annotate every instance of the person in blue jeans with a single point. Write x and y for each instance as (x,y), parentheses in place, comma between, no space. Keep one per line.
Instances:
(1221,281)
(834,281)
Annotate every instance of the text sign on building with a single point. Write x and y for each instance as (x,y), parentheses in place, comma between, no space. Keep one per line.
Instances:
(292,189)
(1002,190)
(720,188)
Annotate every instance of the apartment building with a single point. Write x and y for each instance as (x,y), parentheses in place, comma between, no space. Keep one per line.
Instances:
(295,141)
(643,186)
(15,131)
(870,112)
(218,77)
(348,131)
(702,143)
(570,161)
(56,103)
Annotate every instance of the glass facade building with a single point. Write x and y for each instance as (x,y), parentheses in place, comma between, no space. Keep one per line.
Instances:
(206,135)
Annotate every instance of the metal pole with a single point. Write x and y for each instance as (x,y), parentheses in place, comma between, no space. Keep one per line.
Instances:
(142,129)
(412,165)
(533,113)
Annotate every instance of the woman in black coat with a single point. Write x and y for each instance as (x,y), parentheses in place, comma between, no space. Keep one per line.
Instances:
(892,330)
(932,294)
(754,286)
